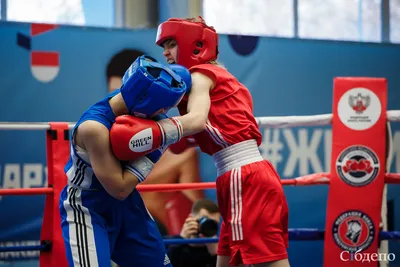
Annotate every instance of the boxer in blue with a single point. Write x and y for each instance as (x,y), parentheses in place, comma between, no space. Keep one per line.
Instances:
(103,216)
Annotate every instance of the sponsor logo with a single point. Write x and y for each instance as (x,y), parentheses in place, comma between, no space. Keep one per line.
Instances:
(141,141)
(359,109)
(357,165)
(353,231)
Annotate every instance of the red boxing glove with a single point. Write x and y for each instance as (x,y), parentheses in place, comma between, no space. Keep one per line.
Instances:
(182,145)
(133,137)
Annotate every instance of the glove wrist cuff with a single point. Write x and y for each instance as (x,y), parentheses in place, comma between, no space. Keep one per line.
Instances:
(140,168)
(171,131)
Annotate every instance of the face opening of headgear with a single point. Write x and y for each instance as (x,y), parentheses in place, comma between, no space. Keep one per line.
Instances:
(149,87)
(197,42)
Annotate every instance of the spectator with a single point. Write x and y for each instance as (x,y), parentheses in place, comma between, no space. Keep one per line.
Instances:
(171,208)
(202,222)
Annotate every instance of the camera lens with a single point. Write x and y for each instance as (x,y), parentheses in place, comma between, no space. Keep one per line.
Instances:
(207,227)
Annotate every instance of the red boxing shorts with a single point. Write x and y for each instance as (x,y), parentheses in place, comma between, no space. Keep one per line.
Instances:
(255,214)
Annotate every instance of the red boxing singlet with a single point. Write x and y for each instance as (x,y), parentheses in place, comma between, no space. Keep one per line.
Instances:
(230,119)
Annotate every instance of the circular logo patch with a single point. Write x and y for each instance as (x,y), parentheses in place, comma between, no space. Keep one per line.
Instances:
(359,108)
(357,165)
(353,231)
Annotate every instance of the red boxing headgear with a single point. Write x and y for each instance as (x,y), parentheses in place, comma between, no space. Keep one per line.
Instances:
(197,42)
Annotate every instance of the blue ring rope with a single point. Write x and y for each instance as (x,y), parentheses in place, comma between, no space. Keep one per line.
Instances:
(294,234)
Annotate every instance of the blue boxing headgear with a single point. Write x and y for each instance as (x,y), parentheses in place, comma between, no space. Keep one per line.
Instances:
(148,87)
(184,73)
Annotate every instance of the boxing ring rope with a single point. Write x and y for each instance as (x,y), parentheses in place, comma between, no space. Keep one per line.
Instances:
(307,180)
(312,120)
(265,122)
(303,234)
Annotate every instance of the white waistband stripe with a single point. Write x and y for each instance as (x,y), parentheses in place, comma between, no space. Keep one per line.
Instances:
(236,156)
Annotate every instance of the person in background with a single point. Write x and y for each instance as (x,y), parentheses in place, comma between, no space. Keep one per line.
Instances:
(171,208)
(203,221)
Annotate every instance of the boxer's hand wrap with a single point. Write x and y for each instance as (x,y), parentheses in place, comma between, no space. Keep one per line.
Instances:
(132,137)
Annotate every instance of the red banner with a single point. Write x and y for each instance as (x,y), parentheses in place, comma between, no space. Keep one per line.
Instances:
(357,172)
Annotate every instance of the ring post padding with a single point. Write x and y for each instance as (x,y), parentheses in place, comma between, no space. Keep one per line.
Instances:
(358,171)
(57,152)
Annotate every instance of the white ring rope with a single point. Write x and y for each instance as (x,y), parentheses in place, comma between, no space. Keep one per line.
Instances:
(265,122)
(312,120)
(294,121)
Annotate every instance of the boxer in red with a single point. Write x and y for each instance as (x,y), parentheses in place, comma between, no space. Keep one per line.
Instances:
(218,114)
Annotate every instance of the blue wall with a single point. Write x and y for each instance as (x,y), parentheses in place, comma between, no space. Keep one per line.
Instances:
(285,77)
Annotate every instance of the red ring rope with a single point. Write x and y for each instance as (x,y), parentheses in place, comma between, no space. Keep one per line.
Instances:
(312,179)
(26,191)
